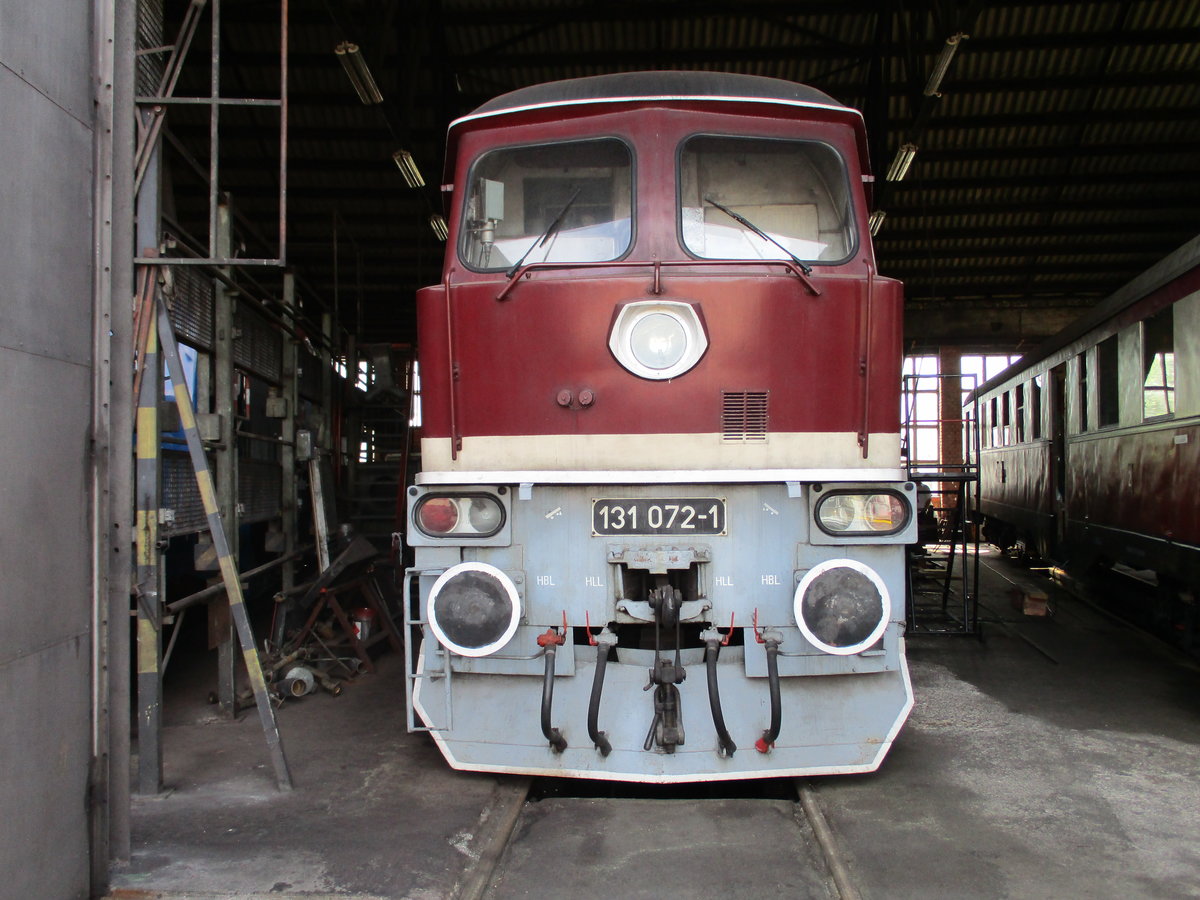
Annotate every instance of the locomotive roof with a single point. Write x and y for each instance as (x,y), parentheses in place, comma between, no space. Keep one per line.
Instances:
(641,86)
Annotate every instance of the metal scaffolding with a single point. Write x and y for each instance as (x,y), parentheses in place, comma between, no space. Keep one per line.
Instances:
(235,336)
(943,567)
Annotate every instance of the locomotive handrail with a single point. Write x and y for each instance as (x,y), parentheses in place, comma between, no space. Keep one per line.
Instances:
(790,265)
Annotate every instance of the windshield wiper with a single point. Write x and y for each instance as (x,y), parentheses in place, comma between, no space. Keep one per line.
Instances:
(746,223)
(550,231)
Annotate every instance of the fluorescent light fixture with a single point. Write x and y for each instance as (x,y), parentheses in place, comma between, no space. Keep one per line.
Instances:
(900,165)
(438,224)
(408,168)
(352,61)
(943,63)
(876,221)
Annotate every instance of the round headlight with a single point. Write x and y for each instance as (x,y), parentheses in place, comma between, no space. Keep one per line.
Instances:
(473,609)
(485,515)
(466,516)
(850,512)
(842,606)
(837,512)
(658,339)
(437,515)
(885,512)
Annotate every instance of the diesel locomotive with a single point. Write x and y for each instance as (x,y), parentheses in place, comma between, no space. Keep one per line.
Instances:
(658,529)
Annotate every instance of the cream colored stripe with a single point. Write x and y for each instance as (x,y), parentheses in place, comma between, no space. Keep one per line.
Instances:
(660,452)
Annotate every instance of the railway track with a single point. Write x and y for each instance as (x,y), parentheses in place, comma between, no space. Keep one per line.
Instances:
(562,838)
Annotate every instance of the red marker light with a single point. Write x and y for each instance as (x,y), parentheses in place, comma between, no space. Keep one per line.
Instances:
(437,515)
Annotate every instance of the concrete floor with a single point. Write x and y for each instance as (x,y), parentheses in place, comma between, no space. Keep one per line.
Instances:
(1017,775)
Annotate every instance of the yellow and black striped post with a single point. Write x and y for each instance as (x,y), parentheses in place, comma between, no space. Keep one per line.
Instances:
(146,550)
(229,573)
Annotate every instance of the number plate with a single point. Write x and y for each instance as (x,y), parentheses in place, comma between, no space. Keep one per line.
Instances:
(691,515)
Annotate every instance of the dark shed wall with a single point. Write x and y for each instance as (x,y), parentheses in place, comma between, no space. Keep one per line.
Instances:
(46,146)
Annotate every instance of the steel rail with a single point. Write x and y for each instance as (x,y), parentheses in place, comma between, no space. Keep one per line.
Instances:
(831,848)
(504,811)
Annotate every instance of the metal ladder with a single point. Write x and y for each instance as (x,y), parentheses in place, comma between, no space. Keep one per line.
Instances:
(942,588)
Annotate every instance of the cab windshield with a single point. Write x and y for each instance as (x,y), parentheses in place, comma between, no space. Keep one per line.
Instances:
(566,202)
(795,192)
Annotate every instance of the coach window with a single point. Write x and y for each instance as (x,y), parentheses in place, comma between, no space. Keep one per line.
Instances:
(1108,383)
(1020,413)
(1083,391)
(568,202)
(1035,406)
(1158,365)
(795,192)
(1006,418)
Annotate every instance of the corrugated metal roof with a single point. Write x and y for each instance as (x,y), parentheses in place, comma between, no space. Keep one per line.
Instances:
(1059,161)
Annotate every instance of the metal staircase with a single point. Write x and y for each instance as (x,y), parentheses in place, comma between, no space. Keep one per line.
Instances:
(381,457)
(943,567)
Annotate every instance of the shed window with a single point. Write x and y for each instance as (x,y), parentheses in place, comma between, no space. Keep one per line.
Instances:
(1158,365)
(1108,383)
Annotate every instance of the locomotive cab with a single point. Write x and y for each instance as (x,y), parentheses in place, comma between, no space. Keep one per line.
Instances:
(661,438)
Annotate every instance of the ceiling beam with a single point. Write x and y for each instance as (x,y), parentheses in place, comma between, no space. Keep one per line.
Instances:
(655,57)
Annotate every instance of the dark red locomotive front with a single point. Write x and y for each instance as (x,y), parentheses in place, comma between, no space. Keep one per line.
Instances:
(661,434)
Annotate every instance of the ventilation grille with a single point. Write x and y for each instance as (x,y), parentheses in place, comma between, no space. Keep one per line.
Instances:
(192,307)
(260,489)
(180,493)
(258,347)
(744,416)
(150,65)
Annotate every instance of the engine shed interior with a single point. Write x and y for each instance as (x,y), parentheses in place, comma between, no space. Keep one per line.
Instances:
(266,188)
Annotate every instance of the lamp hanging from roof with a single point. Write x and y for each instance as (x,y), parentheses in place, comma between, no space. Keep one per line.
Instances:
(360,76)
(900,165)
(408,168)
(943,63)
(438,224)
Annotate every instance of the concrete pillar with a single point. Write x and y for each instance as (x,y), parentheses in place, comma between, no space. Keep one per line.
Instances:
(950,424)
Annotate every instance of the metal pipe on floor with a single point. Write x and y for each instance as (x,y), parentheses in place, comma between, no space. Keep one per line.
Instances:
(217,590)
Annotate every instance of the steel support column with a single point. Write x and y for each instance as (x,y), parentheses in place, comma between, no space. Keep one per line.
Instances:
(290,392)
(112,428)
(950,416)
(225,406)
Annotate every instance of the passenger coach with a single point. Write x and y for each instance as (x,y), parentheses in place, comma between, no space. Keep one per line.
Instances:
(1090,445)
